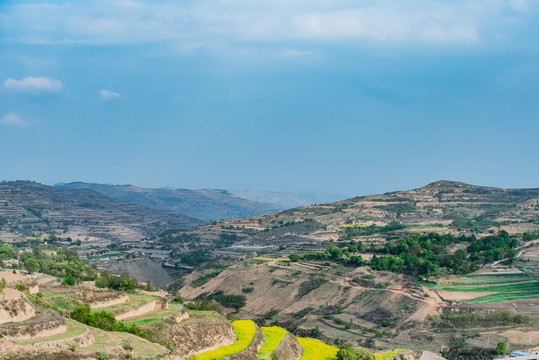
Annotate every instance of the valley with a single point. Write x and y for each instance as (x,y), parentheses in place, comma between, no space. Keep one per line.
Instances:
(448,269)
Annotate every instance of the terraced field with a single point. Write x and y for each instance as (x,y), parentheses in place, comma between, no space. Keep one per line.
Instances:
(245,331)
(134,301)
(154,315)
(501,288)
(61,301)
(74,328)
(105,341)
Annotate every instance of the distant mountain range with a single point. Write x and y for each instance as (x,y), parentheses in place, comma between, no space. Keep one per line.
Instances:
(287,199)
(31,209)
(205,204)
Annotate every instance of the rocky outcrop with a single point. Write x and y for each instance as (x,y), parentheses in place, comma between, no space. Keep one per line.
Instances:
(289,348)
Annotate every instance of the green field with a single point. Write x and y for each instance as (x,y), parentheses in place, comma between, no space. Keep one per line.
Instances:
(506,287)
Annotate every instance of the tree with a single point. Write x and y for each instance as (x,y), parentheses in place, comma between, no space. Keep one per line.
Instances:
(347,352)
(294,257)
(501,348)
(32,265)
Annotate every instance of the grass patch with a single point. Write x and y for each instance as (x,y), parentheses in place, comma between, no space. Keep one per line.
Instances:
(62,302)
(314,349)
(272,338)
(245,331)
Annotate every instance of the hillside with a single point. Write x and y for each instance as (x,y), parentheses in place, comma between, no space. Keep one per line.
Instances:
(42,319)
(29,209)
(429,268)
(443,207)
(206,204)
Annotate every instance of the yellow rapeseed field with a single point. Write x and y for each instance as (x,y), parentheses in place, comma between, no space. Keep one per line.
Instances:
(314,349)
(272,338)
(244,329)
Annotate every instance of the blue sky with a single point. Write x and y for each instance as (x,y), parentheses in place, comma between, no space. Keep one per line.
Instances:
(348,97)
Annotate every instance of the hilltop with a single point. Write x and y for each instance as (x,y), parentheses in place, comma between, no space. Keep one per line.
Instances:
(205,204)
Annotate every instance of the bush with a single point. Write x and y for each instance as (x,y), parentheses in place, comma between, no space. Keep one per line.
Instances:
(229,301)
(21,287)
(104,321)
(68,280)
(103,282)
(102,355)
(310,285)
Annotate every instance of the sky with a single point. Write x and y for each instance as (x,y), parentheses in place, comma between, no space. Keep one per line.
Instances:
(348,97)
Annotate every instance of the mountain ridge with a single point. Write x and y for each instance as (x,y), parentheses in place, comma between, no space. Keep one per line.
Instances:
(31,209)
(206,204)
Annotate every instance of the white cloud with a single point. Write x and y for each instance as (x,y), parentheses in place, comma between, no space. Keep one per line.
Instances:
(198,25)
(109,95)
(30,83)
(12,119)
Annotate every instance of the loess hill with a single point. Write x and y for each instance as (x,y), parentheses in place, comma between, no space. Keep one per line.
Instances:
(30,209)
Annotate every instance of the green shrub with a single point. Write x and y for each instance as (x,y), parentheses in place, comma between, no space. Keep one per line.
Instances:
(229,301)
(68,280)
(21,287)
(310,285)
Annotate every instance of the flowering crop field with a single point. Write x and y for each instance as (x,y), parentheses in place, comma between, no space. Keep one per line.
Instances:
(272,338)
(314,349)
(245,331)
